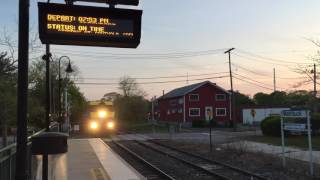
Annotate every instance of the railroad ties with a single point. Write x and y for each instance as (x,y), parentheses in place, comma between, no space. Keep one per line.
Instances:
(156,160)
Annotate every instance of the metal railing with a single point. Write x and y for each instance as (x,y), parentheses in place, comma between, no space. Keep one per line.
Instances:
(8,157)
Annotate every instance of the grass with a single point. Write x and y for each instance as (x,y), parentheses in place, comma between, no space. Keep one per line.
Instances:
(292,141)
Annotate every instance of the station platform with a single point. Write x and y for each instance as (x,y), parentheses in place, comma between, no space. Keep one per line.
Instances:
(87,159)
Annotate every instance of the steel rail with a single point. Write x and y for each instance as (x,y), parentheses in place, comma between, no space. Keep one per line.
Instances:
(145,162)
(211,161)
(183,161)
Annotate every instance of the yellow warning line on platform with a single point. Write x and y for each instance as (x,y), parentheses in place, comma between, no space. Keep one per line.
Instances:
(99,174)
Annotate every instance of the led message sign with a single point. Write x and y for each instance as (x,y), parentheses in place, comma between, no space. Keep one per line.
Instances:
(89,26)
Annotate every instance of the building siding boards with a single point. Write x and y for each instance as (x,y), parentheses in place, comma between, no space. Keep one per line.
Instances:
(207,97)
(170,111)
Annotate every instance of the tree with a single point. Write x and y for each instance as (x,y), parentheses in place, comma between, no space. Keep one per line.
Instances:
(129,87)
(300,99)
(77,101)
(242,99)
(276,98)
(131,109)
(261,98)
(8,93)
(131,106)
(37,101)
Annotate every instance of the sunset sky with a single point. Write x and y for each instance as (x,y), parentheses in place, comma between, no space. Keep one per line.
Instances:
(189,37)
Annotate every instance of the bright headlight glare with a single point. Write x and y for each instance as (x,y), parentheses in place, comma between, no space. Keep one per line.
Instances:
(93,125)
(110,125)
(102,114)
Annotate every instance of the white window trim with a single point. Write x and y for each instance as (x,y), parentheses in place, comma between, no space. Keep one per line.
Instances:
(193,95)
(194,109)
(225,97)
(225,111)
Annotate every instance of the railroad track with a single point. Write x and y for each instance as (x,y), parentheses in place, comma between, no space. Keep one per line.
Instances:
(147,169)
(219,169)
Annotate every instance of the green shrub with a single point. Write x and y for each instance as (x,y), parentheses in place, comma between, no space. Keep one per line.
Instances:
(271,126)
(198,123)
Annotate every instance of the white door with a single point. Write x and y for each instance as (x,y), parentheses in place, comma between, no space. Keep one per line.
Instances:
(209,113)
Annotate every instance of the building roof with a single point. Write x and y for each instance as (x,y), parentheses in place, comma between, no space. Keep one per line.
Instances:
(186,89)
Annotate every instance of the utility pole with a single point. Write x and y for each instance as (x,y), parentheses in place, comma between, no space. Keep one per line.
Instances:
(22,95)
(315,80)
(274,80)
(232,110)
(315,87)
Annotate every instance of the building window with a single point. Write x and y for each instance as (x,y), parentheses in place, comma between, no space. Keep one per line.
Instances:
(180,101)
(194,112)
(168,112)
(194,97)
(220,97)
(173,102)
(180,110)
(173,111)
(221,112)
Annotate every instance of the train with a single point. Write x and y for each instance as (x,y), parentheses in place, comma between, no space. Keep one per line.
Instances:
(99,118)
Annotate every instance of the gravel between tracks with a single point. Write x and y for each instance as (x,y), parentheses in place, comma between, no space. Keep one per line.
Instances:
(213,167)
(266,165)
(171,166)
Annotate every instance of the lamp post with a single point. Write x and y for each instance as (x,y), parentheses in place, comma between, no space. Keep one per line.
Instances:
(68,70)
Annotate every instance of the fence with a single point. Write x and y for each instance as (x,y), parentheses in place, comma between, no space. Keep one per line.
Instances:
(8,158)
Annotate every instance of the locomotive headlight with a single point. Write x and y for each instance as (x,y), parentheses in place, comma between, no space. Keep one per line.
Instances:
(102,114)
(110,125)
(93,125)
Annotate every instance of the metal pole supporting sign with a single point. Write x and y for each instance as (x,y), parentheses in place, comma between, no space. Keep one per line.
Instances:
(282,144)
(310,143)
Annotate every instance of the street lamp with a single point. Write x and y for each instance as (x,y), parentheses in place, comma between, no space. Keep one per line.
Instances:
(68,70)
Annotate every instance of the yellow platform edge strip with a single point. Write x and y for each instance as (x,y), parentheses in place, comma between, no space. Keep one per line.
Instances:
(101,171)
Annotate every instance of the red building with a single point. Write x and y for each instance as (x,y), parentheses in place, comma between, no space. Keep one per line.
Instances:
(196,102)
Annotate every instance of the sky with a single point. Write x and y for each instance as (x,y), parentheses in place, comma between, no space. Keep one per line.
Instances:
(188,39)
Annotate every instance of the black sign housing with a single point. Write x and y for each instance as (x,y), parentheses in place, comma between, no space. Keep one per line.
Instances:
(89,26)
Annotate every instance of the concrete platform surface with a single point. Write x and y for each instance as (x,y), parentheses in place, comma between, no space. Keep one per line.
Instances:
(87,159)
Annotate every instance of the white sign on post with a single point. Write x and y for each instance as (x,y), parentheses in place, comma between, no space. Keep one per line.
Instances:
(297,127)
(294,114)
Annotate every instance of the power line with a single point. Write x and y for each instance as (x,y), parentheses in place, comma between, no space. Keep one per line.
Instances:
(252,79)
(132,56)
(264,84)
(268,58)
(150,54)
(259,60)
(248,70)
(265,75)
(158,77)
(252,83)
(104,57)
(290,77)
(154,82)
